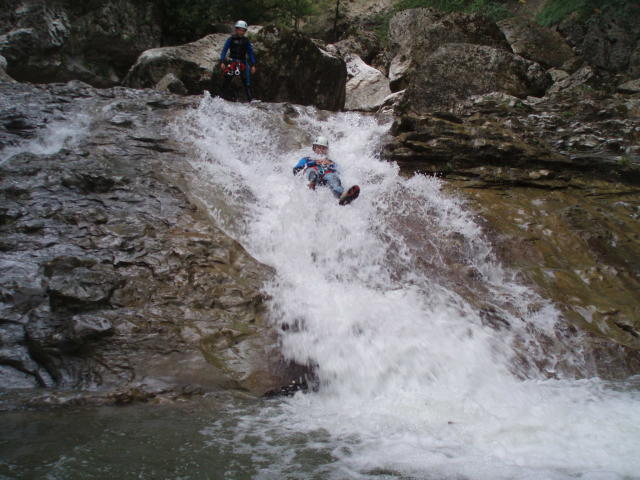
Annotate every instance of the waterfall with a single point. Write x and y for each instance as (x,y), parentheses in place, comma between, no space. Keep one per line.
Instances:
(428,352)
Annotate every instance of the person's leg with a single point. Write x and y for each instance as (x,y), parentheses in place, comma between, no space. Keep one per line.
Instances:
(312,176)
(333,180)
(247,82)
(214,81)
(226,88)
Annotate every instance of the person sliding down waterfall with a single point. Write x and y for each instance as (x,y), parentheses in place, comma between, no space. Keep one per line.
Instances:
(242,61)
(320,170)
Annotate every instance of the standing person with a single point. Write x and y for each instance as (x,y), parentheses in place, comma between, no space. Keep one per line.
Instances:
(241,61)
(320,170)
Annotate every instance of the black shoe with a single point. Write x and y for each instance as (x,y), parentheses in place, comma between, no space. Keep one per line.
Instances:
(350,195)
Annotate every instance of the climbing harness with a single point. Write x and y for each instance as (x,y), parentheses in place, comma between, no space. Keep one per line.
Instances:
(235,68)
(321,170)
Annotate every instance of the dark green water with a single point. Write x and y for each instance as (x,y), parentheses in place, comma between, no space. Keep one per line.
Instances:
(191,441)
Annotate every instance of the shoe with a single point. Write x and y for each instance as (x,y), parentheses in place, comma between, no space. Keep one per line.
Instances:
(350,195)
(312,185)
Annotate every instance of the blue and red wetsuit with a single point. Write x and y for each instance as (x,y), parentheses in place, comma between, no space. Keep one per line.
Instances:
(320,174)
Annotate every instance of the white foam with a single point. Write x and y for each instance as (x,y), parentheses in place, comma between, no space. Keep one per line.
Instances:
(59,134)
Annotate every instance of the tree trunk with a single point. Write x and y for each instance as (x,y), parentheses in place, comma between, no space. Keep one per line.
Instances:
(335,22)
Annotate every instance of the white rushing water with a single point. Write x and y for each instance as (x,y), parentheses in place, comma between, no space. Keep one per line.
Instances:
(59,134)
(413,384)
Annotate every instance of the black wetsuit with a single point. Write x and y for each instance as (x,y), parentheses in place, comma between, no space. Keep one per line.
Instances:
(241,59)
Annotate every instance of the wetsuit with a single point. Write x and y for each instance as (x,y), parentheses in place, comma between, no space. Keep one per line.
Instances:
(321,174)
(241,59)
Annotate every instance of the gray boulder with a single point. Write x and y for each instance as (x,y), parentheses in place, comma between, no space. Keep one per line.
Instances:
(192,64)
(83,328)
(172,84)
(537,43)
(46,41)
(632,86)
(457,71)
(365,44)
(292,68)
(609,40)
(3,74)
(367,88)
(415,34)
(587,75)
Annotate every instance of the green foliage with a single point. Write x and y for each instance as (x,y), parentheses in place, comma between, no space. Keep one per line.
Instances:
(185,21)
(381,26)
(625,161)
(555,11)
(444,5)
(494,10)
(291,12)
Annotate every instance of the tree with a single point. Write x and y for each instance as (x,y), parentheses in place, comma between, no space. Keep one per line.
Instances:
(335,21)
(292,11)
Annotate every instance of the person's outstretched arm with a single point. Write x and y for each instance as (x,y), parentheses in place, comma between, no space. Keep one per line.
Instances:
(300,165)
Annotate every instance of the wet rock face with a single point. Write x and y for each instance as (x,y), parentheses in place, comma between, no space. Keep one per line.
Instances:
(580,248)
(111,280)
(552,171)
(498,140)
(95,42)
(556,180)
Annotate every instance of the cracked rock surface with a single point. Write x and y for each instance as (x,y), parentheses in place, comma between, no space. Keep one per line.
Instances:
(114,286)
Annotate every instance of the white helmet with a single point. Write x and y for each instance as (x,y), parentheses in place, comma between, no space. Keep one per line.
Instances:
(321,141)
(241,24)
